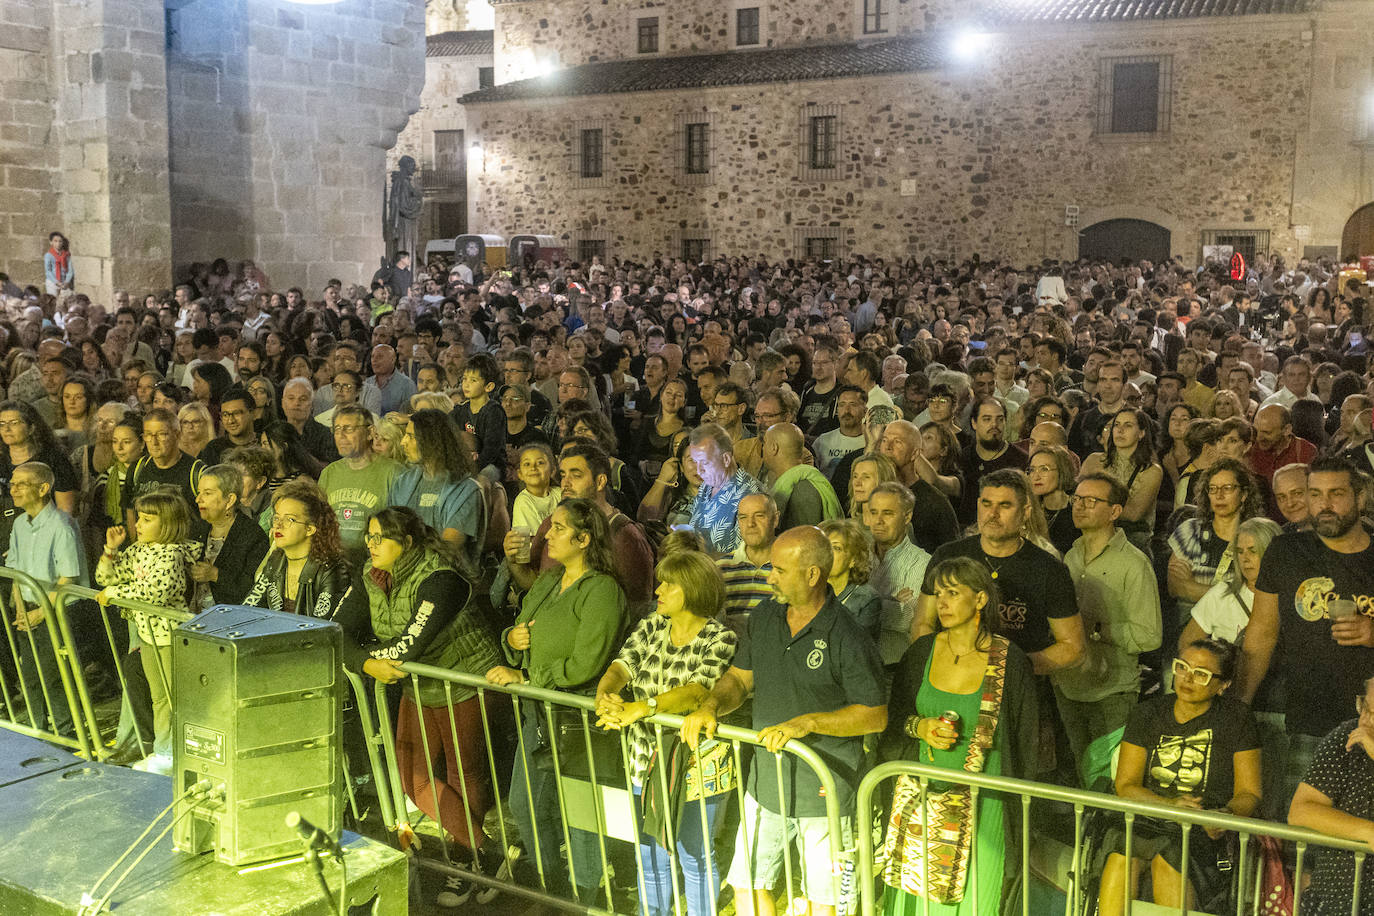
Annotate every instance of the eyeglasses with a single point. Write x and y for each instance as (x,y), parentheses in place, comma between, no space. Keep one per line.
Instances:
(1201,675)
(720,404)
(374,540)
(1087,502)
(344,386)
(1222,489)
(940,399)
(281,521)
(512,399)
(349,429)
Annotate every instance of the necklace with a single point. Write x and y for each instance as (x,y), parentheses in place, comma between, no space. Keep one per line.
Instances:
(997,567)
(949,647)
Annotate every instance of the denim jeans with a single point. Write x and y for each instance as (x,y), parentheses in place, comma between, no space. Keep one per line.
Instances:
(38,666)
(697,857)
(534,805)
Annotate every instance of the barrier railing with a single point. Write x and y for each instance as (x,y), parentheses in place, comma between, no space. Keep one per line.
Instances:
(589,808)
(48,677)
(1081,802)
(64,595)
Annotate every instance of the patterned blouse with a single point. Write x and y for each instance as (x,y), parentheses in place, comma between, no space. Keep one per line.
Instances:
(155,574)
(656,666)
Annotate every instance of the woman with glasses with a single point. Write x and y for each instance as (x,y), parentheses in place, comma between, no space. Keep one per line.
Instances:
(305,572)
(265,408)
(1130,458)
(1201,552)
(197,429)
(439,484)
(25,436)
(1194,748)
(570,624)
(421,611)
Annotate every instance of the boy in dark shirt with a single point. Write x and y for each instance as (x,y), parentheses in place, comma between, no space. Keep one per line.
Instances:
(482,416)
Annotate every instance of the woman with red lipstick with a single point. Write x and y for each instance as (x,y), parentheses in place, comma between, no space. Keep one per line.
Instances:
(305,571)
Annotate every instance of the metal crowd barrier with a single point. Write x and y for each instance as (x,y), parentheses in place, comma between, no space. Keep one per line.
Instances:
(595,805)
(1024,792)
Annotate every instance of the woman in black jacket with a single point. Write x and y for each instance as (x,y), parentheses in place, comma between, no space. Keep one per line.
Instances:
(306,573)
(232,547)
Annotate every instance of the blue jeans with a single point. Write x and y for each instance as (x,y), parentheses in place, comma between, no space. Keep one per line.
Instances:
(536,811)
(700,876)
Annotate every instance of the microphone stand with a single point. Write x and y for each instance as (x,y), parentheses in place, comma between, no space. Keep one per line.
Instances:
(314,856)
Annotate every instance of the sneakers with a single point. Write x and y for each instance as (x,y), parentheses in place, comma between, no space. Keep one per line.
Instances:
(455,893)
(155,763)
(496,866)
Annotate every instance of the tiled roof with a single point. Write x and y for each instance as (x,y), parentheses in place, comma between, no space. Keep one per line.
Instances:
(458,44)
(1136,10)
(734,68)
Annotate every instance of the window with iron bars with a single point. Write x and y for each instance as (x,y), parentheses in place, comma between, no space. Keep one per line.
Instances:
(747,26)
(698,149)
(591,248)
(591,142)
(824,131)
(648,35)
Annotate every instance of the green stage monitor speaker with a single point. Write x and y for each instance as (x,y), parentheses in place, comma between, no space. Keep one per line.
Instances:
(257,710)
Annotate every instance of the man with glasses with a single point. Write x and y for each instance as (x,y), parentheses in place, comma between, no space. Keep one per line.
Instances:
(1312,619)
(774,406)
(236,418)
(574,384)
(165,464)
(517,368)
(359,483)
(46,544)
(728,410)
(1118,599)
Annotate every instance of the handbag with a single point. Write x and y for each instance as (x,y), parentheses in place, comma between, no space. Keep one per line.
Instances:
(1276,888)
(680,776)
(570,734)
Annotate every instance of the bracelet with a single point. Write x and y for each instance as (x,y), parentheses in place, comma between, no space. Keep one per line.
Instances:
(913,726)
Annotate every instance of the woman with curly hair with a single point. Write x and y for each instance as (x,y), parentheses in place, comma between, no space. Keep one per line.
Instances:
(439,483)
(1201,547)
(305,572)
(1130,458)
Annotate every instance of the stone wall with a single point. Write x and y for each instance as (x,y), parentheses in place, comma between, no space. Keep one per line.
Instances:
(535,35)
(981,158)
(83,125)
(281,118)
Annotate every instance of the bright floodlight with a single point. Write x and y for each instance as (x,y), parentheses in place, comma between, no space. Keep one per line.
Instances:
(969,44)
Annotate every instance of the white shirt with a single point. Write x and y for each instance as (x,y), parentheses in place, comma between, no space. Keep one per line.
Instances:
(1221,614)
(1287,398)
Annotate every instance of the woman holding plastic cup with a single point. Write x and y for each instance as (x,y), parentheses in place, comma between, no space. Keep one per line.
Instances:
(964,699)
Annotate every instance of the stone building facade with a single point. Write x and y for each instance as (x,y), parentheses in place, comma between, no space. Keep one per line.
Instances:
(1007,128)
(436,136)
(156,134)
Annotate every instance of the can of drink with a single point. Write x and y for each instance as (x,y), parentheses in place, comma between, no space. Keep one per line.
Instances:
(950,718)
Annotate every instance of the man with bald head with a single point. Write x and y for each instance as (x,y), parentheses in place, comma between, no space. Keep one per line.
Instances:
(802,494)
(390,389)
(933,519)
(1275,445)
(1048,433)
(814,675)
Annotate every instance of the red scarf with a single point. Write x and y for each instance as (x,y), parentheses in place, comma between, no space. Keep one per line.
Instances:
(60,259)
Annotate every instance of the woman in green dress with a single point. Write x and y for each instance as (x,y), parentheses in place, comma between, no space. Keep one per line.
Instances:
(987,682)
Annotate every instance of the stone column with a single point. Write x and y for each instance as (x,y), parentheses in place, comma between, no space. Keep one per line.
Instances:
(111,129)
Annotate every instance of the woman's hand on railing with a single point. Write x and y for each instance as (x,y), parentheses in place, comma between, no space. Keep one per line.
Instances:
(384,669)
(102,597)
(28,619)
(624,715)
(502,676)
(609,704)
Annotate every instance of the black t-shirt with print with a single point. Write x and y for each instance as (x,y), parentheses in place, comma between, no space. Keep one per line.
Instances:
(1321,679)
(1196,757)
(1035,588)
(1347,778)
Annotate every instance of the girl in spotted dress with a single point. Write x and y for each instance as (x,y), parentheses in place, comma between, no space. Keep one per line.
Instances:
(153,570)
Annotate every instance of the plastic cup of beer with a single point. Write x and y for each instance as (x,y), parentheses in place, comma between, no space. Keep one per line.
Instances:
(1340,609)
(526,538)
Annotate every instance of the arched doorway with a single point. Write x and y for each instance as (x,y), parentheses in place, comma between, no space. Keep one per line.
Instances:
(1358,237)
(1116,240)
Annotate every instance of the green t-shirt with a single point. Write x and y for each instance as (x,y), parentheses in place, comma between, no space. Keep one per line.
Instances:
(356,495)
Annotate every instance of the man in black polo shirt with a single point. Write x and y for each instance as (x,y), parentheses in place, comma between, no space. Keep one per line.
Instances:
(814,674)
(1039,611)
(989,452)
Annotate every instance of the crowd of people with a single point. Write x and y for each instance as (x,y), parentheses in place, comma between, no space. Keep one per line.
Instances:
(991,518)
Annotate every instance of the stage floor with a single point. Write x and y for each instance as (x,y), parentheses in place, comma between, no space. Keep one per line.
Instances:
(68,820)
